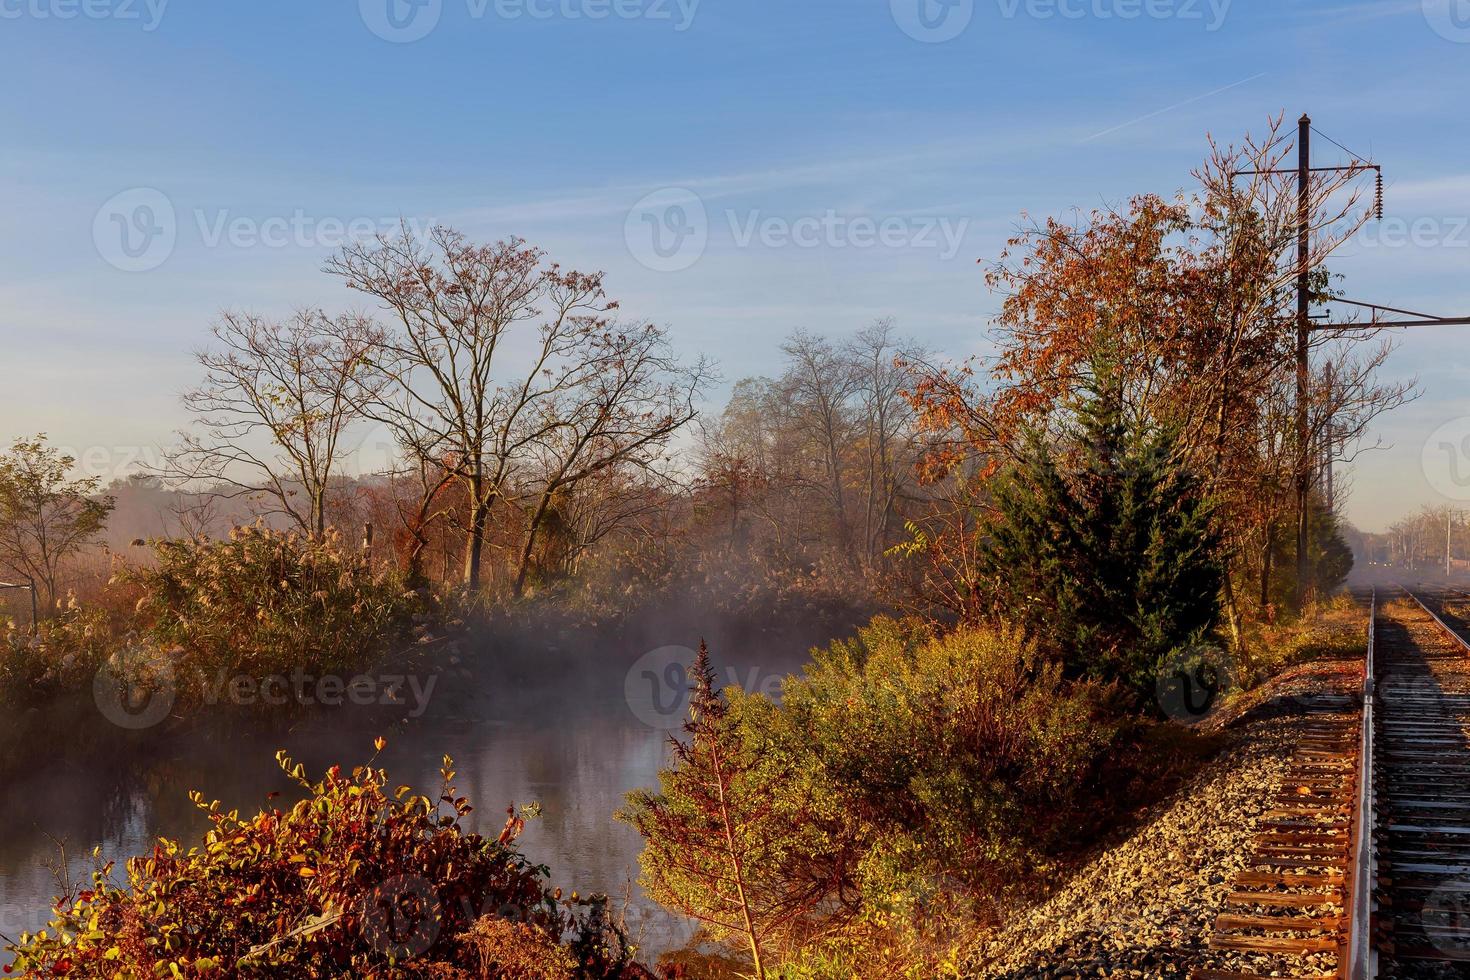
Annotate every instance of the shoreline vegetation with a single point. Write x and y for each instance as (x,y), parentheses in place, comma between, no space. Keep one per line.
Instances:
(924,926)
(357,879)
(1025,583)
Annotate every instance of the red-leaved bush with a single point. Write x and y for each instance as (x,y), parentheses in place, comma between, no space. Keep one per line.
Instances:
(356,879)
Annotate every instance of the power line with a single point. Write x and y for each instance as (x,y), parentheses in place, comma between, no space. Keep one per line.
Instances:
(1356,156)
(1304,322)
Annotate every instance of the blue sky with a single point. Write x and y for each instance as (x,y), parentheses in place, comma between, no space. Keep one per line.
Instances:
(835,162)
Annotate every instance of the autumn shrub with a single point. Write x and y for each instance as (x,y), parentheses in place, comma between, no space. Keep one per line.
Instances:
(1337,631)
(932,946)
(62,653)
(943,746)
(357,879)
(908,781)
(518,951)
(727,842)
(263,601)
(820,594)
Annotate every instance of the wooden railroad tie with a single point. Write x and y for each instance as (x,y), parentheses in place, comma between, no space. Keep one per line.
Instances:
(1289,899)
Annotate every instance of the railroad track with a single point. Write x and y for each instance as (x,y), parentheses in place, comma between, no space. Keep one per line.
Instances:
(1288,913)
(1420,758)
(1361,868)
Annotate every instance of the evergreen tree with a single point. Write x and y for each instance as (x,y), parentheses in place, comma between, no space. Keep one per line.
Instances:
(1334,558)
(1331,557)
(1105,546)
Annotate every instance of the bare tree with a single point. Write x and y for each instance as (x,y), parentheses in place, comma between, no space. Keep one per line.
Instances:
(623,502)
(634,398)
(271,414)
(887,421)
(45,518)
(819,383)
(822,457)
(195,514)
(509,371)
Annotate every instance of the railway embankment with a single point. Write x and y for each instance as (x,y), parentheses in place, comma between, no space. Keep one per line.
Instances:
(1148,905)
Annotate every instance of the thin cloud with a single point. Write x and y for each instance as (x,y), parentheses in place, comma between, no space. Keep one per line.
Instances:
(1450,191)
(1178,105)
(904,167)
(1350,13)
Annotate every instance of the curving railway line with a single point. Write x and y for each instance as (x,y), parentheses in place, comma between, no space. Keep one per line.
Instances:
(1361,867)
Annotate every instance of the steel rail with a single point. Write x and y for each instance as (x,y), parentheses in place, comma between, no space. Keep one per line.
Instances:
(1454,634)
(1447,630)
(1361,962)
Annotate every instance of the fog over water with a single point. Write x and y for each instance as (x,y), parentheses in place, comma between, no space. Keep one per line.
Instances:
(569,719)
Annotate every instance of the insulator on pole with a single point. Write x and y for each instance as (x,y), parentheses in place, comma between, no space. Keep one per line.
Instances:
(1378,193)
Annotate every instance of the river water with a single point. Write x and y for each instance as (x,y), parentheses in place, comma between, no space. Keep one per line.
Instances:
(565,720)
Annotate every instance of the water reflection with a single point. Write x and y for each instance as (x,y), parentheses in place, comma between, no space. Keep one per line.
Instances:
(526,718)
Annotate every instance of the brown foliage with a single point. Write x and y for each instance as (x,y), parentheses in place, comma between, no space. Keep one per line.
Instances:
(1189,301)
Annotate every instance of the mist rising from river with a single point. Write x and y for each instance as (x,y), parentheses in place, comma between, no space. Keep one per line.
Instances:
(570,718)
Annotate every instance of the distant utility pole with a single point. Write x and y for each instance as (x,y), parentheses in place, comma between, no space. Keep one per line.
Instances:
(1329,443)
(1449,516)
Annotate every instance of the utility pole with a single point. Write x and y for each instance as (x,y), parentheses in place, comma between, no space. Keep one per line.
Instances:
(1305,446)
(1303,354)
(1330,440)
(1305,327)
(1449,515)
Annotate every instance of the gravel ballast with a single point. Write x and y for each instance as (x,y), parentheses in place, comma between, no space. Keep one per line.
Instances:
(1146,907)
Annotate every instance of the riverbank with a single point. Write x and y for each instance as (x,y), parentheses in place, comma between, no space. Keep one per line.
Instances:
(533,708)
